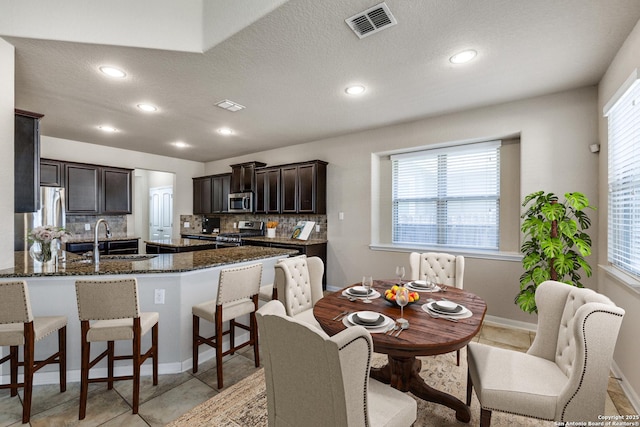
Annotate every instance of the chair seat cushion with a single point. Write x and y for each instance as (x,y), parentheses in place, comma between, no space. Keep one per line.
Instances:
(515,382)
(230,310)
(307,317)
(13,333)
(120,329)
(389,407)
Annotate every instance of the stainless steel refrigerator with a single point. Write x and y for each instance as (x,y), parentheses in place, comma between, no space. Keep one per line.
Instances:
(52,212)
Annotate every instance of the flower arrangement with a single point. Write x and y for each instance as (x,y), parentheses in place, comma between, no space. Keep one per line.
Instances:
(43,236)
(272,224)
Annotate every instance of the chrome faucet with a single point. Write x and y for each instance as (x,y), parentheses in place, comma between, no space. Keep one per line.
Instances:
(96,245)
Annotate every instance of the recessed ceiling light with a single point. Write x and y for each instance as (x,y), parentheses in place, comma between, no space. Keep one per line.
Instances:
(225,131)
(464,56)
(147,107)
(106,128)
(180,144)
(355,90)
(113,72)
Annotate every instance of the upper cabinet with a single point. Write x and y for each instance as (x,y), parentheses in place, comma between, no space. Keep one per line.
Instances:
(51,173)
(95,189)
(210,194)
(27,161)
(267,198)
(243,176)
(304,187)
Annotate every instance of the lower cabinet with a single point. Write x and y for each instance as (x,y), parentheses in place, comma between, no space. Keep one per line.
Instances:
(315,249)
(109,247)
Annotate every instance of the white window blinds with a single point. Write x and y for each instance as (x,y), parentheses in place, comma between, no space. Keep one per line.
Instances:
(624,180)
(448,196)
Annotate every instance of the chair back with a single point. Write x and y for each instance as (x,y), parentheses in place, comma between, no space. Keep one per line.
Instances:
(446,268)
(577,329)
(15,306)
(298,281)
(313,379)
(239,283)
(107,299)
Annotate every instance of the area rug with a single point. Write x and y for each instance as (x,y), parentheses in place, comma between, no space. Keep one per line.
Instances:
(245,404)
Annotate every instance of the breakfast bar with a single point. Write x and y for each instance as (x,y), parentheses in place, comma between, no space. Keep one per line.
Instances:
(169,284)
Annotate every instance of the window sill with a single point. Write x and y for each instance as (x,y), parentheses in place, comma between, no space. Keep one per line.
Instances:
(621,278)
(467,253)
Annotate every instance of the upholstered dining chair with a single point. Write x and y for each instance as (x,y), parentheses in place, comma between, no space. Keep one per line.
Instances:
(238,290)
(109,311)
(447,269)
(564,375)
(18,328)
(316,380)
(298,282)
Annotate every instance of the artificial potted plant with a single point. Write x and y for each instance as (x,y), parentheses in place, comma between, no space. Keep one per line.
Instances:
(555,243)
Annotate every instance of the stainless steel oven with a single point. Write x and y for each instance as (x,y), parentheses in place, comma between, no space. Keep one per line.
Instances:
(240,202)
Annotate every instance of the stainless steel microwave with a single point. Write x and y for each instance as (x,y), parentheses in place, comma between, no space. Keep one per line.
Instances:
(241,202)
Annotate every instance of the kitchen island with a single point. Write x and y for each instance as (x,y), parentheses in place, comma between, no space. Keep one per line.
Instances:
(169,284)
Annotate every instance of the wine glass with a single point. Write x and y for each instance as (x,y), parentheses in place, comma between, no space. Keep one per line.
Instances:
(402,299)
(400,274)
(367,282)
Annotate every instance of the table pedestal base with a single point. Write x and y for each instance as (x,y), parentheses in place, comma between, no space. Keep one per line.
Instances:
(403,373)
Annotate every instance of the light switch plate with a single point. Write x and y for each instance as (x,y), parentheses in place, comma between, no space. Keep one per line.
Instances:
(87,227)
(187,225)
(158,296)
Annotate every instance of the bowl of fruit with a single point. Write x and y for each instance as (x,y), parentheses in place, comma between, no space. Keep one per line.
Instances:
(390,295)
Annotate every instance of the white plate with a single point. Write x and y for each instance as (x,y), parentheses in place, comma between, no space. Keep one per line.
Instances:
(368,316)
(464,314)
(347,321)
(359,291)
(448,306)
(373,295)
(430,306)
(436,288)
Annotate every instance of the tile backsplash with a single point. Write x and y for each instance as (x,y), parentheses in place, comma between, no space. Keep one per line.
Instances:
(75,224)
(286,223)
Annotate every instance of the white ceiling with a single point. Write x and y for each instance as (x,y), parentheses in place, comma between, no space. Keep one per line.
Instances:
(290,68)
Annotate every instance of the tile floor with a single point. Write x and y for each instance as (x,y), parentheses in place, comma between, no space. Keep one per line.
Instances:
(177,393)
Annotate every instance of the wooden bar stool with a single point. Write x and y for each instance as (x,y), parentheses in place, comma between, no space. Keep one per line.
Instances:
(109,311)
(238,290)
(18,327)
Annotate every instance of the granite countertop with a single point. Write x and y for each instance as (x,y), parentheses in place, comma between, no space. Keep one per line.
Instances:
(179,243)
(285,240)
(71,264)
(100,239)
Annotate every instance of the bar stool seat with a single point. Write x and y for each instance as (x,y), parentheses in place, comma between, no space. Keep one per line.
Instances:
(109,311)
(18,328)
(238,290)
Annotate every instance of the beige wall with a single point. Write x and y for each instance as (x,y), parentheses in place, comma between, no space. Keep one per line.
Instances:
(628,346)
(6,152)
(555,131)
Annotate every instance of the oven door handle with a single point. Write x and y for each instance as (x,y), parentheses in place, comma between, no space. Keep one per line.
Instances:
(246,201)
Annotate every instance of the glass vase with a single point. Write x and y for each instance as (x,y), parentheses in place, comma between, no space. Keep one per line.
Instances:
(43,252)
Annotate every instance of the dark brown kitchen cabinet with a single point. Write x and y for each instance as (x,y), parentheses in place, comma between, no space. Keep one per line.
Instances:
(94,189)
(108,247)
(211,194)
(304,187)
(116,190)
(83,187)
(27,161)
(51,173)
(243,176)
(267,198)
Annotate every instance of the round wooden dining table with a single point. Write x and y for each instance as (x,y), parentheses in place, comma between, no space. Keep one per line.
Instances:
(426,336)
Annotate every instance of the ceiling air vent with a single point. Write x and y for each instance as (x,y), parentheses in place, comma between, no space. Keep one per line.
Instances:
(371,21)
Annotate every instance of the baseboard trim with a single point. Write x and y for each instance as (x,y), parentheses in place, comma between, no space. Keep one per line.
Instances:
(628,390)
(516,324)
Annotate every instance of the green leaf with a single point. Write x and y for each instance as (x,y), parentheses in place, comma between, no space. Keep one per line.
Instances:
(585,266)
(531,260)
(532,196)
(563,263)
(583,219)
(551,247)
(583,247)
(577,200)
(554,211)
(526,300)
(568,227)
(539,275)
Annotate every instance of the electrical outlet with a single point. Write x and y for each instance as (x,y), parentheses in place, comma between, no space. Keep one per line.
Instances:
(235,225)
(87,227)
(158,296)
(318,228)
(341,216)
(187,225)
